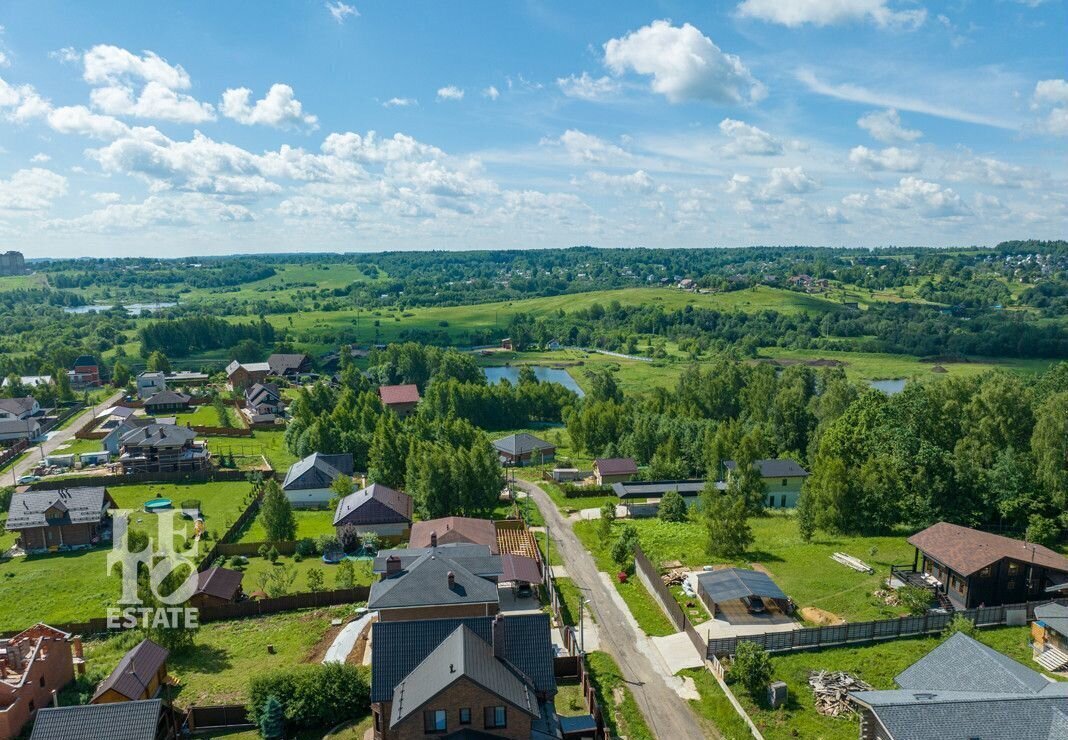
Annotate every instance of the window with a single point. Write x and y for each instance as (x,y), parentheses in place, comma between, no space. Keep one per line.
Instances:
(496,718)
(985,572)
(465,715)
(42,682)
(1013,568)
(784,481)
(784,501)
(434,720)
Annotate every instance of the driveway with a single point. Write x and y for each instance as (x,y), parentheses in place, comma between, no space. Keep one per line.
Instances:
(654,688)
(55,439)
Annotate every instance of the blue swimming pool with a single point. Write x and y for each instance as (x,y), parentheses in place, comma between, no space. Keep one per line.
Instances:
(157,504)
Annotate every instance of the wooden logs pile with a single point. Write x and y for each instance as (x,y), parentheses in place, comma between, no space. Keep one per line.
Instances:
(832,691)
(674,577)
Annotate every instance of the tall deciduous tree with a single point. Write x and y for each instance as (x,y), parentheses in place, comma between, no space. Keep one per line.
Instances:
(726,524)
(277,514)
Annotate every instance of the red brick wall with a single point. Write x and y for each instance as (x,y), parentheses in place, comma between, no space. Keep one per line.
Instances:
(463,693)
(53,663)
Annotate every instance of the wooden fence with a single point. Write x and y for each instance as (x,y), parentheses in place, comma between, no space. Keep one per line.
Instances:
(10,453)
(178,476)
(811,638)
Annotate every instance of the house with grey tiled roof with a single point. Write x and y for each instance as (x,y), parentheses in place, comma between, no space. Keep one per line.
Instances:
(478,559)
(307,482)
(782,480)
(964,689)
(61,519)
(486,676)
(432,585)
(148,719)
(524,449)
(376,508)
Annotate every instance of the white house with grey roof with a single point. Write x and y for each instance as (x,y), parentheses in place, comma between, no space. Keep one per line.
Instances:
(307,482)
(964,689)
(782,479)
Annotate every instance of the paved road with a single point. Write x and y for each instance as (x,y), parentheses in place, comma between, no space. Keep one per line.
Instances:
(30,461)
(666,713)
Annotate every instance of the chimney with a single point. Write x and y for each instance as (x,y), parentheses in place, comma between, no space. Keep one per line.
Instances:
(433,538)
(393,565)
(363,481)
(55,698)
(78,647)
(498,637)
(452,580)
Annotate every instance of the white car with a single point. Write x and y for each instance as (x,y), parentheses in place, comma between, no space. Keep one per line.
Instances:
(26,479)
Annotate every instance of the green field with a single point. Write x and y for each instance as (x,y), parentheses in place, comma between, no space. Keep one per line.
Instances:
(207,415)
(256,567)
(309,524)
(878,366)
(23,282)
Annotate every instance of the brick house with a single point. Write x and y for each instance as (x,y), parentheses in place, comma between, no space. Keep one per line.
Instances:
(85,371)
(401,399)
(71,517)
(33,664)
(141,674)
(476,677)
(434,585)
(240,376)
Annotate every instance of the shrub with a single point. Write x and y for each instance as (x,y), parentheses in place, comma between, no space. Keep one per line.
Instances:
(916,599)
(306,547)
(312,696)
(328,543)
(751,668)
(348,537)
(960,623)
(570,490)
(672,508)
(623,549)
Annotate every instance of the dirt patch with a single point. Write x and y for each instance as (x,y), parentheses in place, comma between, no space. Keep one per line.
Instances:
(319,651)
(820,617)
(360,647)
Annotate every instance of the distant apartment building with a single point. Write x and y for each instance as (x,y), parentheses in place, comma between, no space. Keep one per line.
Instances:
(12,263)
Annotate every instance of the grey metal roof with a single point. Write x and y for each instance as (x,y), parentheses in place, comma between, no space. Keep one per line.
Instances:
(735,583)
(1053,616)
(462,654)
(158,435)
(262,392)
(401,646)
(657,488)
(476,558)
(82,505)
(128,720)
(167,398)
(521,444)
(375,504)
(17,406)
(425,582)
(19,426)
(962,662)
(910,715)
(773,468)
(316,471)
(135,671)
(283,363)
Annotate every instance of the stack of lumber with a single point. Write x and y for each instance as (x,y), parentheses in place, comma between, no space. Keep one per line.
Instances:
(674,577)
(832,691)
(852,562)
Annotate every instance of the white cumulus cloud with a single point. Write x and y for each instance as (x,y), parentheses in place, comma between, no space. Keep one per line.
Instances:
(747,139)
(794,13)
(890,159)
(278,108)
(583,147)
(31,190)
(491,92)
(929,199)
(586,87)
(1051,96)
(400,102)
(450,92)
(684,64)
(885,126)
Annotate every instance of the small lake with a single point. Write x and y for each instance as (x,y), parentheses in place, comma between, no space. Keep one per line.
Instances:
(544,374)
(889,387)
(134,309)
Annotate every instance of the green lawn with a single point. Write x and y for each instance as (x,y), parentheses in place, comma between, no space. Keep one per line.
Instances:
(803,570)
(270,444)
(877,664)
(257,567)
(714,707)
(206,415)
(227,655)
(220,503)
(623,717)
(309,524)
(879,366)
(78,446)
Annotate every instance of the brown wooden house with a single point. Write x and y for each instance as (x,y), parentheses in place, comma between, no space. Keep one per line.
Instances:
(69,517)
(217,586)
(972,568)
(141,674)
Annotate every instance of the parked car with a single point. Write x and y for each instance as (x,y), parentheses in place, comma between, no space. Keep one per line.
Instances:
(755,604)
(27,479)
(524,591)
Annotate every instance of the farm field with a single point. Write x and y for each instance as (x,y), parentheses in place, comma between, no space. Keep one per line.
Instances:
(877,664)
(23,282)
(878,366)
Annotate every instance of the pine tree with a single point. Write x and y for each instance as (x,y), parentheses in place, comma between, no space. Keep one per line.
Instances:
(728,530)
(272,719)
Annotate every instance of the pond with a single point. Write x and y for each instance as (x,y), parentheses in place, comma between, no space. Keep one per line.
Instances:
(889,387)
(544,374)
(134,309)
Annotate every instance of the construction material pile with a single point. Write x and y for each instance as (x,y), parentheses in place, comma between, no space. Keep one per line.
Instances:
(852,562)
(832,691)
(674,577)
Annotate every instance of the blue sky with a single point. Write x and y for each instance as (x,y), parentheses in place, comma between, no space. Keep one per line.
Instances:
(196,128)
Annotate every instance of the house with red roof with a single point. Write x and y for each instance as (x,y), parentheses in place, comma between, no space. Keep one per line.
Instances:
(402,399)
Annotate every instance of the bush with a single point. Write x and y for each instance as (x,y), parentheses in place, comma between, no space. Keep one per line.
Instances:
(348,537)
(751,668)
(572,491)
(916,599)
(960,623)
(673,508)
(306,547)
(312,696)
(328,543)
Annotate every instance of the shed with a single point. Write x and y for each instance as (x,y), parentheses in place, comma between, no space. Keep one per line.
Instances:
(614,470)
(140,674)
(718,587)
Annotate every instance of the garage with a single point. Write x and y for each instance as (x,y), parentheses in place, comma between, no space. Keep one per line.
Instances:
(743,597)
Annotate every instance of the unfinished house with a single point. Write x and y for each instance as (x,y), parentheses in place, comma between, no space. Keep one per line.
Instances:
(33,664)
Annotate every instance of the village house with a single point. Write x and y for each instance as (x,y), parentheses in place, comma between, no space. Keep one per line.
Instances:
(782,479)
(401,399)
(289,366)
(524,449)
(452,530)
(607,471)
(475,677)
(263,403)
(141,674)
(307,482)
(162,448)
(972,568)
(21,430)
(147,719)
(167,401)
(216,587)
(33,664)
(17,409)
(115,433)
(69,517)
(84,372)
(149,384)
(375,508)
(964,689)
(240,376)
(433,585)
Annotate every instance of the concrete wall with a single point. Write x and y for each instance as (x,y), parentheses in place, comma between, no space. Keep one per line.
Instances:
(311,498)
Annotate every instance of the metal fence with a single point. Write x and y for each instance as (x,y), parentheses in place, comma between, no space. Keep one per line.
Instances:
(225,716)
(811,638)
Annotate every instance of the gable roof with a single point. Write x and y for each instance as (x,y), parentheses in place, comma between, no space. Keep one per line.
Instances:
(962,662)
(135,671)
(261,392)
(401,646)
(168,398)
(317,471)
(521,444)
(222,583)
(455,529)
(23,426)
(461,655)
(78,506)
(425,582)
(125,720)
(773,468)
(476,558)
(967,550)
(280,364)
(17,406)
(616,466)
(158,435)
(396,394)
(251,367)
(736,583)
(1054,616)
(375,504)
